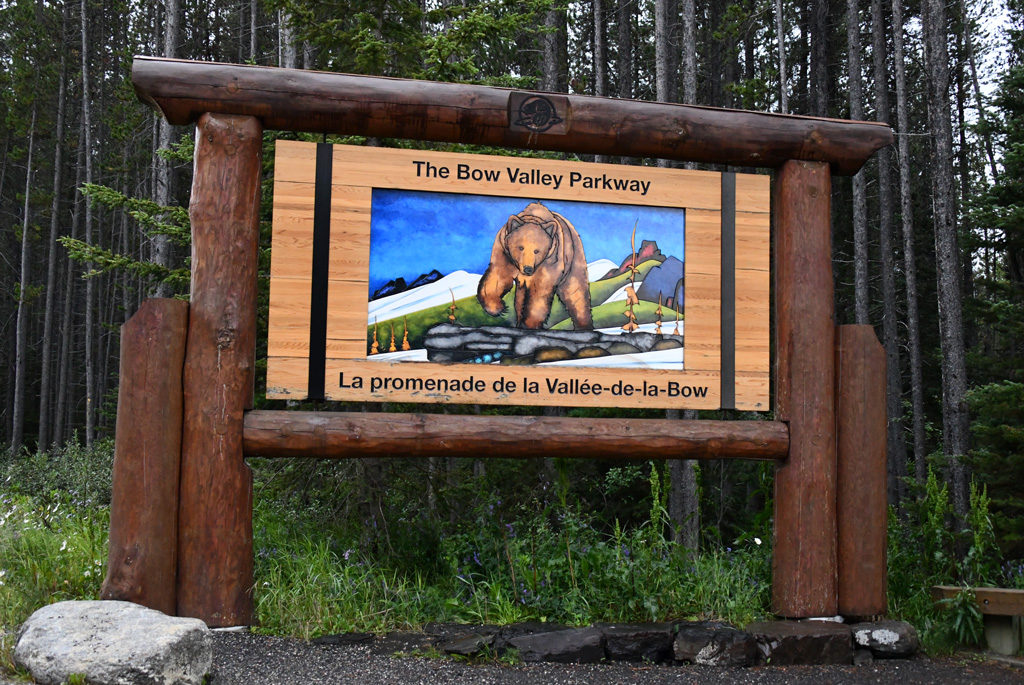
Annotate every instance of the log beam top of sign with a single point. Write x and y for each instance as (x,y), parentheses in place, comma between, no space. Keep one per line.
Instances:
(342,435)
(299,100)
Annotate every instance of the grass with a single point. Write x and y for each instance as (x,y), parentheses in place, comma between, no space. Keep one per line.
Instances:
(493,569)
(544,557)
(49,552)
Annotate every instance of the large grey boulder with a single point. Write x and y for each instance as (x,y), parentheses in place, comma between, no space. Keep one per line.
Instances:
(109,642)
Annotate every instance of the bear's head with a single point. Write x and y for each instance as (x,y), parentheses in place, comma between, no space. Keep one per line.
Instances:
(529,242)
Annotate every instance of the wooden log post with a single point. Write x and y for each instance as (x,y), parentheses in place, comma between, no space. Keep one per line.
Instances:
(142,557)
(215,562)
(861,471)
(804,572)
(337,435)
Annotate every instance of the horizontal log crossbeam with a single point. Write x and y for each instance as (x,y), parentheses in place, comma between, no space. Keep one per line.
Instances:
(339,435)
(324,102)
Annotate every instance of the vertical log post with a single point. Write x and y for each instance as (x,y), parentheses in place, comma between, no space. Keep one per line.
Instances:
(861,481)
(215,562)
(143,547)
(804,572)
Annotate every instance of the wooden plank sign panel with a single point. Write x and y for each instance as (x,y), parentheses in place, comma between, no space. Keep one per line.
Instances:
(401,275)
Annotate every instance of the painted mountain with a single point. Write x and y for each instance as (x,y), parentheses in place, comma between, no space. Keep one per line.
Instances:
(414,232)
(452,299)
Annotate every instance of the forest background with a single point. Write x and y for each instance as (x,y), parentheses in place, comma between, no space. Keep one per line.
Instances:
(928,244)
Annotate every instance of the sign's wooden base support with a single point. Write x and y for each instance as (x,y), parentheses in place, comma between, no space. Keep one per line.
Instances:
(143,553)
(861,504)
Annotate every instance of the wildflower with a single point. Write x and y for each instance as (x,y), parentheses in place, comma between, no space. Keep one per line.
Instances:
(757,541)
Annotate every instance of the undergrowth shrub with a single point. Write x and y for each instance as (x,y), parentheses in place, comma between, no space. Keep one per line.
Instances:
(54,521)
(929,546)
(541,560)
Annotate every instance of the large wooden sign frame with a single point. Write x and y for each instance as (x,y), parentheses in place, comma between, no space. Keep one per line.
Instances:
(327,341)
(185,545)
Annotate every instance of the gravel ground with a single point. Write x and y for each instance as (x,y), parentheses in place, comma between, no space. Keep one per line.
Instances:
(248,659)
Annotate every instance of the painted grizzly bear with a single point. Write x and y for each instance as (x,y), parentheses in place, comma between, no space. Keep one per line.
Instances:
(539,252)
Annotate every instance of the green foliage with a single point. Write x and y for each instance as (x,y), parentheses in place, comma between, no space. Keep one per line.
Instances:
(54,518)
(534,561)
(927,548)
(998,457)
(480,42)
(967,626)
(154,219)
(72,472)
(48,553)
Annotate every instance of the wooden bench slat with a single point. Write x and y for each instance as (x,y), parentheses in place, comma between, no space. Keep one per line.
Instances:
(994,601)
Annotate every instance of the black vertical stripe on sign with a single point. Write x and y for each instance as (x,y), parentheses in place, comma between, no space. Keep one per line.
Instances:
(321,263)
(728,290)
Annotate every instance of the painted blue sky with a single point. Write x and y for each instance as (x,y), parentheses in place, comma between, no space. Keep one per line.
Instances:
(413,232)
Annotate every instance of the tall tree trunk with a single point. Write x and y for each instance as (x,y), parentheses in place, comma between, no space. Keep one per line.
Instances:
(21,327)
(51,260)
(780,36)
(947,255)
(860,210)
(600,52)
(986,135)
(662,74)
(555,52)
(688,93)
(688,40)
(683,504)
(818,97)
(288,50)
(90,314)
(896,446)
(163,177)
(254,14)
(964,172)
(909,252)
(63,390)
(624,56)
(600,58)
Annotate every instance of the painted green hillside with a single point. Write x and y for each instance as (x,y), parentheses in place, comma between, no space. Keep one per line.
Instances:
(468,312)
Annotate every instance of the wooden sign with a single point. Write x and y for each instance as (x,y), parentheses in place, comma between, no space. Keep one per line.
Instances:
(400,275)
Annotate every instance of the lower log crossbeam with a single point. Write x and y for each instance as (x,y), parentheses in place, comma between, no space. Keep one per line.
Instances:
(335,435)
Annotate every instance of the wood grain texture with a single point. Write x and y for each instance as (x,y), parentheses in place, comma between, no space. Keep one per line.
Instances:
(142,558)
(339,435)
(861,506)
(215,563)
(300,100)
(804,556)
(994,601)
(753,291)
(365,168)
